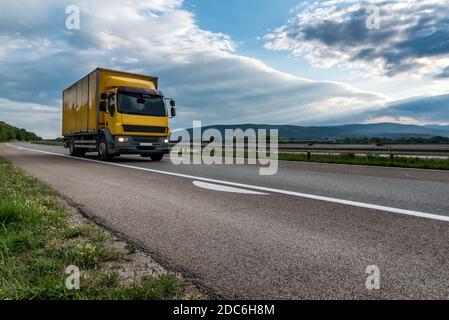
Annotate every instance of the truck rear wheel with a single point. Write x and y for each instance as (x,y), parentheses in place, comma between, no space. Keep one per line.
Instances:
(75,152)
(157,157)
(103,152)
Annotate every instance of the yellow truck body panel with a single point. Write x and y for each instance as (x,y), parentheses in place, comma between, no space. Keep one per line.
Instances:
(80,103)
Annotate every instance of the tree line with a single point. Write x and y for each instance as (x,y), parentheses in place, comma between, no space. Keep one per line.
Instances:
(403,140)
(11,133)
(371,140)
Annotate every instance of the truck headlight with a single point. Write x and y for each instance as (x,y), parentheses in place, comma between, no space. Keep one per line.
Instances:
(121,139)
(166,141)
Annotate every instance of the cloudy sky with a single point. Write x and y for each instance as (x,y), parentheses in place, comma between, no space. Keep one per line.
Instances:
(235,61)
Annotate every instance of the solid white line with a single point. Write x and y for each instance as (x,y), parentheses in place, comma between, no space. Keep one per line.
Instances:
(273,190)
(222,188)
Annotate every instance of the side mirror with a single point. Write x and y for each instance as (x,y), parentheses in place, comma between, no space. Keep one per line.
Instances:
(103,106)
(172,103)
(104,96)
(173,111)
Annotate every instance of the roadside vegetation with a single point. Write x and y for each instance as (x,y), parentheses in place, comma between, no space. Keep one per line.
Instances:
(371,160)
(403,140)
(39,239)
(372,140)
(11,133)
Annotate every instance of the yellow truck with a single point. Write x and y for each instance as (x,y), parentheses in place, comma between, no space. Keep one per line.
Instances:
(114,113)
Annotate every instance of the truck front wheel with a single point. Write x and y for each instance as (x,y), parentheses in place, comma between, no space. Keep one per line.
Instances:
(157,157)
(103,152)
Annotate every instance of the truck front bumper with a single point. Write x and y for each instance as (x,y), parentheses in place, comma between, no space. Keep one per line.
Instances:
(139,145)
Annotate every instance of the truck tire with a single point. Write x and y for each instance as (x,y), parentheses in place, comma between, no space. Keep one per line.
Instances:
(103,152)
(72,147)
(157,157)
(73,151)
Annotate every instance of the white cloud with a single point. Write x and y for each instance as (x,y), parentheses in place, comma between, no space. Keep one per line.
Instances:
(32,116)
(400,119)
(411,40)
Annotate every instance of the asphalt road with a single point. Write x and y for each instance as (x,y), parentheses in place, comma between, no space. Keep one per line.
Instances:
(307,232)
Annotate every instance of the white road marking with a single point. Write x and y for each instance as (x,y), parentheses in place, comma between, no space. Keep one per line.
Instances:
(219,187)
(273,190)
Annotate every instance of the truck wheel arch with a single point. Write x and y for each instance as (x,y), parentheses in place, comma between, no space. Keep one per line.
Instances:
(107,135)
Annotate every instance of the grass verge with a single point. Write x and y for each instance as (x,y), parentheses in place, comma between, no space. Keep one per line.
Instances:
(371,160)
(39,240)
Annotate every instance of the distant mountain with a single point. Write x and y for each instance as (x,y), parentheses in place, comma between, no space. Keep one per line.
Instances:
(439,127)
(9,133)
(379,130)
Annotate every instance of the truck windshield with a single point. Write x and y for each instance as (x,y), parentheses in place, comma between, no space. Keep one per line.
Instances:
(141,104)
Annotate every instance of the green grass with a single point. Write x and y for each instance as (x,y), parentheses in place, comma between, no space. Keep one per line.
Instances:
(372,160)
(38,242)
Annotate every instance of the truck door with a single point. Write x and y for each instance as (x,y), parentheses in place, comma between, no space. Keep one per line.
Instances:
(112,118)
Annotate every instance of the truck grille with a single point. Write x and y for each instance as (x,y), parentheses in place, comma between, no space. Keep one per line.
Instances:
(152,129)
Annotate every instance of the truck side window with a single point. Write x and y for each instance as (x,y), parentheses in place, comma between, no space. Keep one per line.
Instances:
(111,105)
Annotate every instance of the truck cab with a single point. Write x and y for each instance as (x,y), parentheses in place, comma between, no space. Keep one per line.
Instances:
(127,113)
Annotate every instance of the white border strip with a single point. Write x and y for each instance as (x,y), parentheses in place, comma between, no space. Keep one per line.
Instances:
(273,190)
(222,188)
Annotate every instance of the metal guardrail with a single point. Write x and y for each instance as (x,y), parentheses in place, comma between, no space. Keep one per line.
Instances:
(437,150)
